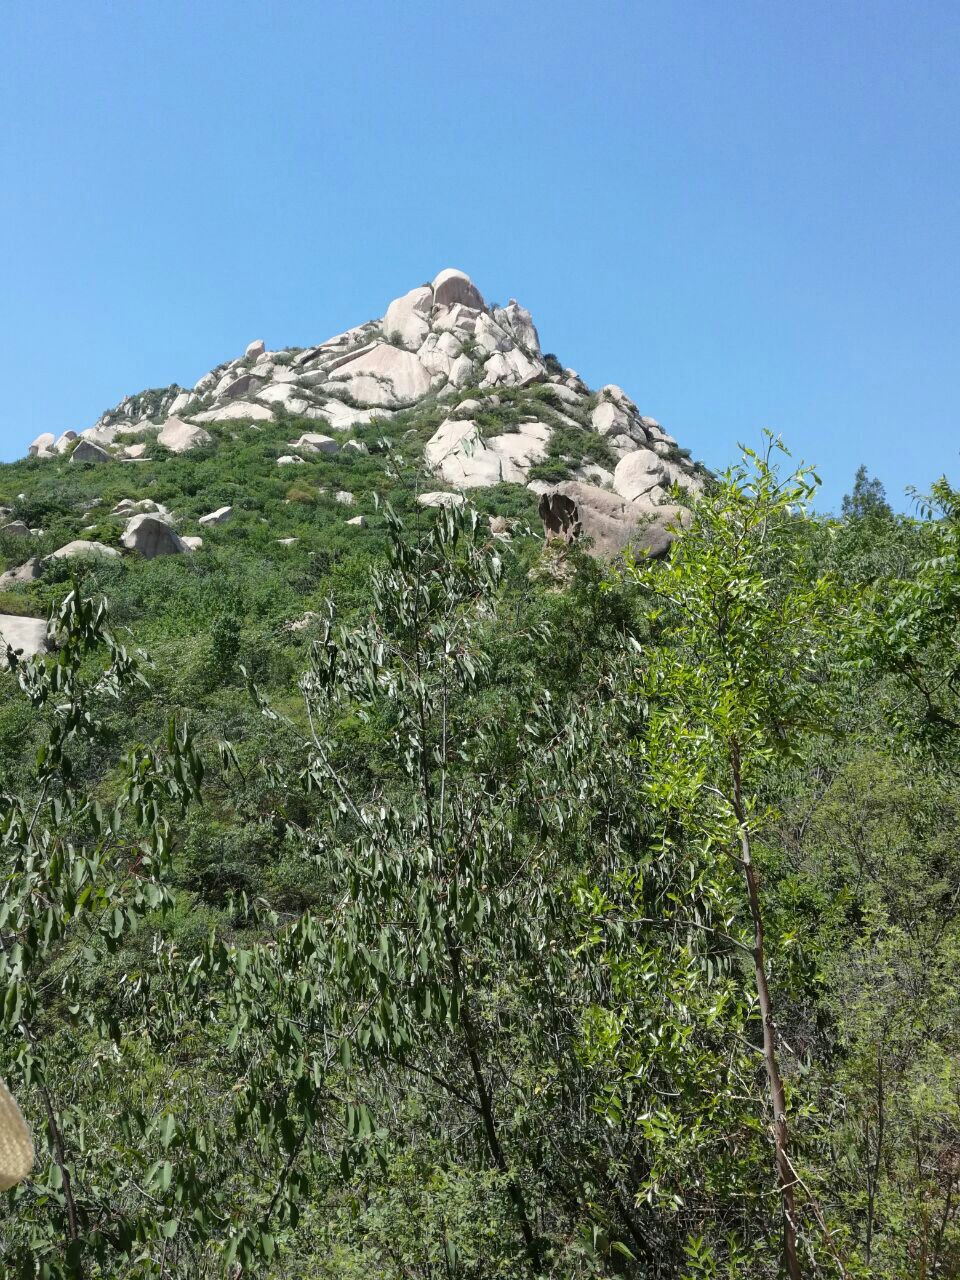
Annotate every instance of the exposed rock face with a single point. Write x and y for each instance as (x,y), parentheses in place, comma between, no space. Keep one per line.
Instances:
(452,286)
(518,322)
(44,442)
(254,349)
(408,318)
(311,442)
(179,436)
(16,529)
(64,442)
(80,549)
(383,375)
(24,573)
(438,499)
(241,409)
(152,537)
(220,516)
(510,369)
(459,454)
(27,636)
(573,510)
(87,451)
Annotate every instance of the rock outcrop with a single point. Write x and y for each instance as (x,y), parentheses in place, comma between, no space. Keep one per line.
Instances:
(151,536)
(87,451)
(458,452)
(26,636)
(179,436)
(574,511)
(21,575)
(220,516)
(79,549)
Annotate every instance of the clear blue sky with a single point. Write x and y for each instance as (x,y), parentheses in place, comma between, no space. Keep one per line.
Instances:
(744,213)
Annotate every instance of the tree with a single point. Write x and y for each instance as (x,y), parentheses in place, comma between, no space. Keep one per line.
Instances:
(737,677)
(868,501)
(79,878)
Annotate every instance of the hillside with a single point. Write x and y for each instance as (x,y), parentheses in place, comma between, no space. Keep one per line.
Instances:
(441,398)
(449,835)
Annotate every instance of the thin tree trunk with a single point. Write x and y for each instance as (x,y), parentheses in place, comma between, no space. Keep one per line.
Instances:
(778,1101)
(485,1101)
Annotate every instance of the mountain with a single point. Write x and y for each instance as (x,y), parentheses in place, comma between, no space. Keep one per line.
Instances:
(458,386)
(439,344)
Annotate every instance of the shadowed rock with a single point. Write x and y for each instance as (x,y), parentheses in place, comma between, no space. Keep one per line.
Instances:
(573,511)
(152,537)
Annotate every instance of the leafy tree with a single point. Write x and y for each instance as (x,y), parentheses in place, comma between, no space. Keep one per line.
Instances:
(868,501)
(737,678)
(79,877)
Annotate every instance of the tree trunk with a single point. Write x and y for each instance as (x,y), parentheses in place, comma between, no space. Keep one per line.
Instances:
(778,1101)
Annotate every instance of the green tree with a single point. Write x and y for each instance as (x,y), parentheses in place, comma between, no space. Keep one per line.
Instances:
(737,677)
(79,877)
(868,500)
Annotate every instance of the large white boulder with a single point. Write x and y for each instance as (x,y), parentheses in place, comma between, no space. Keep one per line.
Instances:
(254,349)
(180,402)
(510,369)
(311,442)
(610,419)
(439,353)
(44,441)
(489,337)
(458,319)
(408,318)
(104,433)
(452,286)
(639,474)
(238,409)
(340,415)
(462,371)
(23,573)
(457,452)
(151,537)
(179,436)
(64,442)
(564,393)
(610,391)
(518,322)
(573,510)
(128,507)
(78,549)
(383,375)
(87,451)
(289,460)
(26,636)
(220,516)
(230,386)
(439,499)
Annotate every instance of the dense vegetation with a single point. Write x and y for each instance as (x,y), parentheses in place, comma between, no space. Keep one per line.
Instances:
(511,915)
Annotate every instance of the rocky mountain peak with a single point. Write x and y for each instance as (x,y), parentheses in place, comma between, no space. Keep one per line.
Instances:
(513,414)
